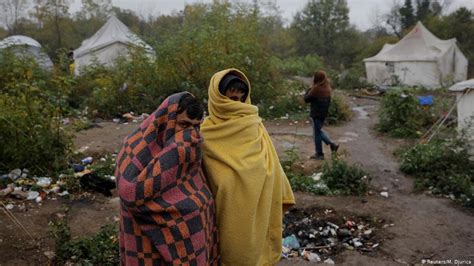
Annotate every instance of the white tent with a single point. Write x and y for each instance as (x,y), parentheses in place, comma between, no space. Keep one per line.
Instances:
(26,46)
(465,107)
(419,59)
(108,43)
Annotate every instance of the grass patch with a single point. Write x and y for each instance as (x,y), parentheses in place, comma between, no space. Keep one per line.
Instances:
(99,249)
(337,177)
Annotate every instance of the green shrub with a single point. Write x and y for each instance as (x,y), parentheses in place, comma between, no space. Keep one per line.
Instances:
(31,108)
(99,249)
(289,102)
(300,182)
(206,43)
(443,166)
(132,84)
(299,66)
(344,179)
(400,114)
(337,178)
(352,78)
(339,110)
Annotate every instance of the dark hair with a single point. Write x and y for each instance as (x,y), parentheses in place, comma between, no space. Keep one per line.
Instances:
(233,81)
(191,105)
(319,77)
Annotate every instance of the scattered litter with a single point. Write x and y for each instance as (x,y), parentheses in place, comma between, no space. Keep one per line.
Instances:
(15,174)
(17,184)
(319,234)
(329,261)
(9,206)
(87,160)
(32,195)
(44,182)
(66,121)
(77,167)
(350,224)
(22,207)
(6,191)
(50,254)
(83,149)
(131,117)
(317,176)
(64,193)
(310,256)
(291,242)
(384,194)
(426,100)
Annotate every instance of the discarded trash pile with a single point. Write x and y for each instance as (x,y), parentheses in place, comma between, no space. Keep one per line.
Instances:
(85,175)
(131,117)
(318,234)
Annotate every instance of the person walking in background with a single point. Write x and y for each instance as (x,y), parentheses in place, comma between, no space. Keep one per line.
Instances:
(167,211)
(319,95)
(70,59)
(250,187)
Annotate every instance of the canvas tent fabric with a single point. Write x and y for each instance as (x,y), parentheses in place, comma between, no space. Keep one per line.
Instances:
(465,106)
(26,46)
(108,43)
(419,59)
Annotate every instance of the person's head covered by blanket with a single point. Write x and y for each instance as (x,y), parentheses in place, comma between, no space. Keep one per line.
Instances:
(244,172)
(167,211)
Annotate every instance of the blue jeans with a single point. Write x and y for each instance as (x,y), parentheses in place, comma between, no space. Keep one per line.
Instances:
(319,135)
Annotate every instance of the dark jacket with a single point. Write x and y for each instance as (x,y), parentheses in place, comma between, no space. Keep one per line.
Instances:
(319,105)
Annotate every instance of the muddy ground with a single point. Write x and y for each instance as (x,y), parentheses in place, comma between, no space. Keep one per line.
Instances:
(424,226)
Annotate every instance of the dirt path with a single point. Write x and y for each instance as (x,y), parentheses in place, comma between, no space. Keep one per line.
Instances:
(425,226)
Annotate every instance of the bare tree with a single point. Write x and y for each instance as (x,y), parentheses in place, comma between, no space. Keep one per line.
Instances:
(12,11)
(377,24)
(440,7)
(393,19)
(53,11)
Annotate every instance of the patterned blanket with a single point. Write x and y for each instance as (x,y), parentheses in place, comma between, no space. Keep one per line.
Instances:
(167,210)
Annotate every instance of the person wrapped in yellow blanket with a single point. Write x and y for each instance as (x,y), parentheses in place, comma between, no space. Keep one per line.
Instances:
(250,187)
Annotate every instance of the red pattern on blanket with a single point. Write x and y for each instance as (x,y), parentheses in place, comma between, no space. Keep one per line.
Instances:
(167,210)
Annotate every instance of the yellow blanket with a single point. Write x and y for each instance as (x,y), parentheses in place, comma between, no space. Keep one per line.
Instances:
(246,177)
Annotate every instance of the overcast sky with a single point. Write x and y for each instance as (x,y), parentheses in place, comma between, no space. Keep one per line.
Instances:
(361,12)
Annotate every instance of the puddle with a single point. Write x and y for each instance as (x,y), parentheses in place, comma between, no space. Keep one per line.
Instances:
(362,113)
(345,139)
(352,134)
